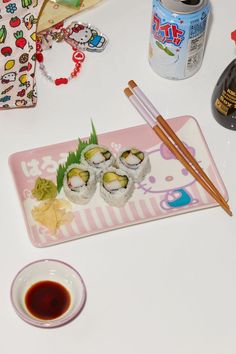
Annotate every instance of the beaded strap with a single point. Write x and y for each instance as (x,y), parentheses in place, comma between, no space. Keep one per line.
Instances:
(78,58)
(80,36)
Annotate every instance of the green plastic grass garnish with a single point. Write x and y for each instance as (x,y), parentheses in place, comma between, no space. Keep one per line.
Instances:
(74,157)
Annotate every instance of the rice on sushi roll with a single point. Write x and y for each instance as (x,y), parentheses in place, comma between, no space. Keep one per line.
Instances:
(79,183)
(134,162)
(97,157)
(116,186)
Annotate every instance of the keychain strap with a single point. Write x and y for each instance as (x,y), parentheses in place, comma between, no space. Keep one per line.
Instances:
(78,57)
(80,36)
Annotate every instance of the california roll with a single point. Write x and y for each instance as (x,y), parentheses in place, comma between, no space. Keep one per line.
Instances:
(116,187)
(79,183)
(97,157)
(134,162)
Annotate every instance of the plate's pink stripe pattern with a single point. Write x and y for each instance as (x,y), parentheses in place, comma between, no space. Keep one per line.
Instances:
(145,209)
(70,230)
(80,224)
(101,217)
(113,216)
(90,220)
(156,208)
(134,210)
(124,216)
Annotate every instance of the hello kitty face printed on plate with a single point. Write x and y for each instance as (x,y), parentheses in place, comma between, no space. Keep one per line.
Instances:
(170,174)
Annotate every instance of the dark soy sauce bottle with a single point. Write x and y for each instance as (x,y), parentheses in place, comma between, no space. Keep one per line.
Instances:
(223,101)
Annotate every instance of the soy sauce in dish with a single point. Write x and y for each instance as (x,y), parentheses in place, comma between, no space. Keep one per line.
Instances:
(47,300)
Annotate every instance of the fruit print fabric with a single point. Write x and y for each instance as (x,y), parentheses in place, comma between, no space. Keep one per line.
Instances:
(18,23)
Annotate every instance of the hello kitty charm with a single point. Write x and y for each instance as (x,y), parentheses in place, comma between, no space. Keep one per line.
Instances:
(84,36)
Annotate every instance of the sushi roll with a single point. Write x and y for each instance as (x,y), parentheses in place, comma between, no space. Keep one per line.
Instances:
(97,157)
(116,186)
(79,184)
(134,162)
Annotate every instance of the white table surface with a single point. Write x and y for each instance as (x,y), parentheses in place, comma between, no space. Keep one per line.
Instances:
(166,286)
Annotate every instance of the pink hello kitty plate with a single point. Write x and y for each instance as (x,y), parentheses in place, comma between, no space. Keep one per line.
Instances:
(168,190)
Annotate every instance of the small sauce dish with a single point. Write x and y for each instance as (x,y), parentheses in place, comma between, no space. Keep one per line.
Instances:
(48,293)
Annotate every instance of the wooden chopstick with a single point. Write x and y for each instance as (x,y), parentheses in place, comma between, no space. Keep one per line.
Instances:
(154,112)
(162,135)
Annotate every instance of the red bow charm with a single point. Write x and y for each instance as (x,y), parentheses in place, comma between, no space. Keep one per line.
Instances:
(61,81)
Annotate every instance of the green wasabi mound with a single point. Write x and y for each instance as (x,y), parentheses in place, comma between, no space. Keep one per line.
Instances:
(44,189)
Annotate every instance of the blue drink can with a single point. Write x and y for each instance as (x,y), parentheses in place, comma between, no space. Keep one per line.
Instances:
(178,37)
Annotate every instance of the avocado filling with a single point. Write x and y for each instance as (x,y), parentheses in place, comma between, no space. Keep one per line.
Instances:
(97,155)
(113,182)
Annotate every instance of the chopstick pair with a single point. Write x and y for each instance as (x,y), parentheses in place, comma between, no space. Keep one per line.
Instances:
(151,115)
